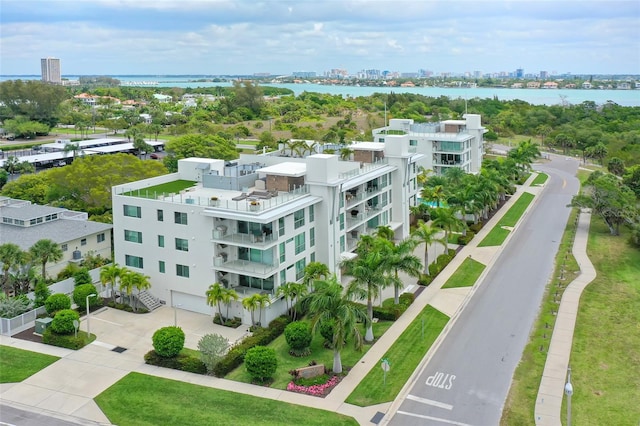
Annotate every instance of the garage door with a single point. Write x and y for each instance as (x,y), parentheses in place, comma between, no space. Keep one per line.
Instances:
(191,302)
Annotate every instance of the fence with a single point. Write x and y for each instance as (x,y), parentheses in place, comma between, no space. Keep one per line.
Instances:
(11,326)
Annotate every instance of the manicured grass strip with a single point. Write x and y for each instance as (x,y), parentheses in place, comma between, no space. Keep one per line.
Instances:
(319,353)
(498,234)
(141,400)
(165,188)
(519,407)
(18,364)
(605,357)
(540,179)
(466,275)
(372,389)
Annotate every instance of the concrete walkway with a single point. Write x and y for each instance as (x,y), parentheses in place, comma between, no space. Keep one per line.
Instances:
(67,387)
(551,391)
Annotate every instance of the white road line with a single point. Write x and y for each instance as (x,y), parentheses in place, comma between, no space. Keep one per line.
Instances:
(420,416)
(430,402)
(103,344)
(104,320)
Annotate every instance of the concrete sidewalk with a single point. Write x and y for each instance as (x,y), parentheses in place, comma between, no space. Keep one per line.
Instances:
(551,391)
(67,387)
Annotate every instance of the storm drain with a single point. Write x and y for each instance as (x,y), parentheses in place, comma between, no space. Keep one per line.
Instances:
(377,418)
(119,349)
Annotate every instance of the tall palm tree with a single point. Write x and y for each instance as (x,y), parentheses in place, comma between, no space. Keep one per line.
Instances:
(109,274)
(403,259)
(127,283)
(330,304)
(255,302)
(214,297)
(229,295)
(314,271)
(385,231)
(141,282)
(447,220)
(263,300)
(426,234)
(44,251)
(368,273)
(10,255)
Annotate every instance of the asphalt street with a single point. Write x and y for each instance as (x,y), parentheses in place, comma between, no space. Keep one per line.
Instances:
(467,380)
(11,416)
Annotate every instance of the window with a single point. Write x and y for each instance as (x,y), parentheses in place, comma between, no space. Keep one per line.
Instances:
(312,214)
(300,265)
(283,276)
(160,214)
(160,240)
(180,218)
(312,258)
(182,271)
(83,242)
(133,236)
(341,221)
(64,247)
(133,261)
(161,266)
(182,244)
(300,243)
(281,226)
(100,237)
(342,243)
(312,237)
(132,211)
(413,142)
(282,253)
(298,219)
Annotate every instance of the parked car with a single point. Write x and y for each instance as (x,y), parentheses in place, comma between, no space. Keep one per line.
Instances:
(155,156)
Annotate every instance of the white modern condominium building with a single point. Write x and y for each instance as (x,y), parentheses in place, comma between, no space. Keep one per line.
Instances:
(255,223)
(450,143)
(51,70)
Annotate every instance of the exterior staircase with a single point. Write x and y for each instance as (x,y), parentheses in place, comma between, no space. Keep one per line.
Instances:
(149,301)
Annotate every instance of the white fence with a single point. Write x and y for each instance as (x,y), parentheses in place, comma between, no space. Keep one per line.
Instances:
(11,326)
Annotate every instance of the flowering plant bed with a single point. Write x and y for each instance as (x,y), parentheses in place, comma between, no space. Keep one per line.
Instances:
(320,390)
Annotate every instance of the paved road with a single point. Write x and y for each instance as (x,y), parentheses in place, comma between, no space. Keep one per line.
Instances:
(10,416)
(467,380)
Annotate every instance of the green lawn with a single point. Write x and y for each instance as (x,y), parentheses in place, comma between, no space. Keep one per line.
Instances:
(404,357)
(540,179)
(165,188)
(520,403)
(497,235)
(605,357)
(141,400)
(466,275)
(18,364)
(319,354)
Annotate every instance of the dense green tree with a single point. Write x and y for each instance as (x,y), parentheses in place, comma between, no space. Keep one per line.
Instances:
(33,99)
(616,166)
(195,145)
(631,178)
(11,255)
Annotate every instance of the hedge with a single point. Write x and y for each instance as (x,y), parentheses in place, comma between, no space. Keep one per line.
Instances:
(260,337)
(180,362)
(68,341)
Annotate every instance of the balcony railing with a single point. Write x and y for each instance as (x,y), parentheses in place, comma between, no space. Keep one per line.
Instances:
(243,266)
(244,239)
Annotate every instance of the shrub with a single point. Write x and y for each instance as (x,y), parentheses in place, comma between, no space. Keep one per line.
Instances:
(13,306)
(407,299)
(212,348)
(69,341)
(463,240)
(476,227)
(180,362)
(81,277)
(279,324)
(168,341)
(80,294)
(63,321)
(298,337)
(261,363)
(41,292)
(425,279)
(57,302)
(326,331)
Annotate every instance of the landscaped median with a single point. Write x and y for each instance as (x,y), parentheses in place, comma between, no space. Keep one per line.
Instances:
(419,336)
(501,231)
(138,399)
(540,179)
(466,275)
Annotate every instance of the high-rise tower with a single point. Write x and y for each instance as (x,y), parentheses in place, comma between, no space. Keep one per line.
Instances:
(51,70)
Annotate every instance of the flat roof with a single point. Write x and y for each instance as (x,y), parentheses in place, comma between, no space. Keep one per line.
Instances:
(368,146)
(459,122)
(86,143)
(288,168)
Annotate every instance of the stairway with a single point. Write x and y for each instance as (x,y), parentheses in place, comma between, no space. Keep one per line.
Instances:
(148,300)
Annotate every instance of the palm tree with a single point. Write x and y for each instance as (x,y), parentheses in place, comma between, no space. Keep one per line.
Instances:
(329,303)
(109,275)
(229,295)
(385,231)
(288,291)
(141,282)
(426,234)
(127,282)
(368,272)
(10,256)
(434,194)
(447,220)
(45,250)
(345,153)
(253,302)
(215,296)
(263,300)
(403,259)
(314,271)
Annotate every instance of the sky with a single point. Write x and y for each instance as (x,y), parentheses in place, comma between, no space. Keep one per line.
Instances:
(231,37)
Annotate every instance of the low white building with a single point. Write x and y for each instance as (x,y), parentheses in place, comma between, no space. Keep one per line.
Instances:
(449,143)
(24,223)
(255,223)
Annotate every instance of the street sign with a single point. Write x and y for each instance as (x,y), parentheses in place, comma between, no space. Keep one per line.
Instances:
(386,366)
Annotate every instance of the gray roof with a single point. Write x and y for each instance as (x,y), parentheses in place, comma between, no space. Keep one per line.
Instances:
(60,231)
(31,211)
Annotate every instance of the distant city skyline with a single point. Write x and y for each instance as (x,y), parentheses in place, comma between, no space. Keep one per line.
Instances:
(280,37)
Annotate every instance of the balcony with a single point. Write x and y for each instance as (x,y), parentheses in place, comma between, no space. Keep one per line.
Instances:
(244,267)
(254,240)
(353,199)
